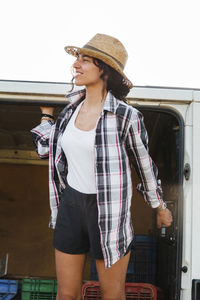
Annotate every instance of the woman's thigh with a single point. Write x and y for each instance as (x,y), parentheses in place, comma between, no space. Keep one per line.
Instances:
(69,270)
(112,280)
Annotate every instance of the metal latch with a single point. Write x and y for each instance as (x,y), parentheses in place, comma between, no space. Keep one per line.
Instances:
(187,171)
(184,269)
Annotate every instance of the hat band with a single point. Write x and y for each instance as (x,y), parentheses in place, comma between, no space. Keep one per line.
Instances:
(95,49)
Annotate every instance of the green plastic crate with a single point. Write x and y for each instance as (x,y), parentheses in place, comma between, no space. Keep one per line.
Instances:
(39,289)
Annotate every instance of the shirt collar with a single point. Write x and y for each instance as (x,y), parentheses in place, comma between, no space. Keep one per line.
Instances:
(110,104)
(75,98)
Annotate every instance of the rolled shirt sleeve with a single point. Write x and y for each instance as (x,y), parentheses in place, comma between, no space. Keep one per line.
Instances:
(41,135)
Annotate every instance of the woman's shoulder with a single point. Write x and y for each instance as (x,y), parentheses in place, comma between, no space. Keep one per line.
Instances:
(127,110)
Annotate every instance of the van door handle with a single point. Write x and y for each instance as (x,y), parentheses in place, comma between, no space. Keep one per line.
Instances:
(187,171)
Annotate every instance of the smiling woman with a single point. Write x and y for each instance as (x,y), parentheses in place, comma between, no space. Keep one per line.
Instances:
(91,148)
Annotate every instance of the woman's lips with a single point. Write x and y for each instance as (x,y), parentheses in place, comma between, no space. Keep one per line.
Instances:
(76,74)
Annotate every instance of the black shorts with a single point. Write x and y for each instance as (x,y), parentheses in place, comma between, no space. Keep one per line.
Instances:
(77,230)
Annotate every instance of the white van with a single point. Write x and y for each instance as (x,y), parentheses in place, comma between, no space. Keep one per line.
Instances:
(170,256)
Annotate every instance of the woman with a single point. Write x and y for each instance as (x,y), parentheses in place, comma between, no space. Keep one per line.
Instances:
(91,147)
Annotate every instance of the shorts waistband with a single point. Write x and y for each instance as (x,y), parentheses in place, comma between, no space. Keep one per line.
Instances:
(74,190)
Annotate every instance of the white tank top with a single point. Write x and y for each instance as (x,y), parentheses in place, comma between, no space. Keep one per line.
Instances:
(78,146)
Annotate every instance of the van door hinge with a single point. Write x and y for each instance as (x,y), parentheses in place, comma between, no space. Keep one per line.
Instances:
(187,171)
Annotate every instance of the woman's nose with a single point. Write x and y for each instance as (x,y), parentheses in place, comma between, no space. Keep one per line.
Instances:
(76,64)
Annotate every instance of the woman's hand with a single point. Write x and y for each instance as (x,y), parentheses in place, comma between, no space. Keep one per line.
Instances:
(49,113)
(164,217)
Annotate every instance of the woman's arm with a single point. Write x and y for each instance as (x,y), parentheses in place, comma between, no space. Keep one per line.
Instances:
(150,186)
(41,133)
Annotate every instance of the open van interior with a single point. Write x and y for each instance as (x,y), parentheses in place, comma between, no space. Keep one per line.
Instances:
(25,212)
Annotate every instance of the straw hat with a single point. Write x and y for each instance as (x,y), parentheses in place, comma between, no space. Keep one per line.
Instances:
(106,48)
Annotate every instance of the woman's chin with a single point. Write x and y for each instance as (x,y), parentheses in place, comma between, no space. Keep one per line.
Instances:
(78,83)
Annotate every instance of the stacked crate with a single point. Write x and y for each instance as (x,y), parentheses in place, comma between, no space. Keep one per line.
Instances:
(134,291)
(8,289)
(36,289)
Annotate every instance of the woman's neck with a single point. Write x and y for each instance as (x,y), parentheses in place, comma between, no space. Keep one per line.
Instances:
(94,97)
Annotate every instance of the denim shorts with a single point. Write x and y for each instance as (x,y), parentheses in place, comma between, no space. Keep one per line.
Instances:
(77,230)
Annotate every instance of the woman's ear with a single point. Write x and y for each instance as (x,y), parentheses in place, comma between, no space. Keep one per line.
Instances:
(104,76)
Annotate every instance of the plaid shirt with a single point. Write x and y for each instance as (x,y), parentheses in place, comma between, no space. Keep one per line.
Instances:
(120,142)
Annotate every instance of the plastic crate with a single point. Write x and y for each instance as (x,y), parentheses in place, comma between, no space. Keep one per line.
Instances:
(142,264)
(36,289)
(137,291)
(8,289)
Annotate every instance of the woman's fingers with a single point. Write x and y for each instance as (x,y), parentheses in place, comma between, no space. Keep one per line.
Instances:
(164,217)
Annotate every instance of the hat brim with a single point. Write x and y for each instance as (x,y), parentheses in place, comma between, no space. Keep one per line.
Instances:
(75,51)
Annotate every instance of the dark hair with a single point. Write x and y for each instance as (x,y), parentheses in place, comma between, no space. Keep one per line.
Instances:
(113,80)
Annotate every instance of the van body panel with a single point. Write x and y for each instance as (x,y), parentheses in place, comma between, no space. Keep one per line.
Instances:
(10,89)
(195,200)
(197,96)
(164,93)
(187,191)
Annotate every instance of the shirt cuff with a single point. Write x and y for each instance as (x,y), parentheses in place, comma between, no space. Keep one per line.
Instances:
(153,197)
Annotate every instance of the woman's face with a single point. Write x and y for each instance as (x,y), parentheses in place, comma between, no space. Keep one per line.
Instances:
(85,71)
